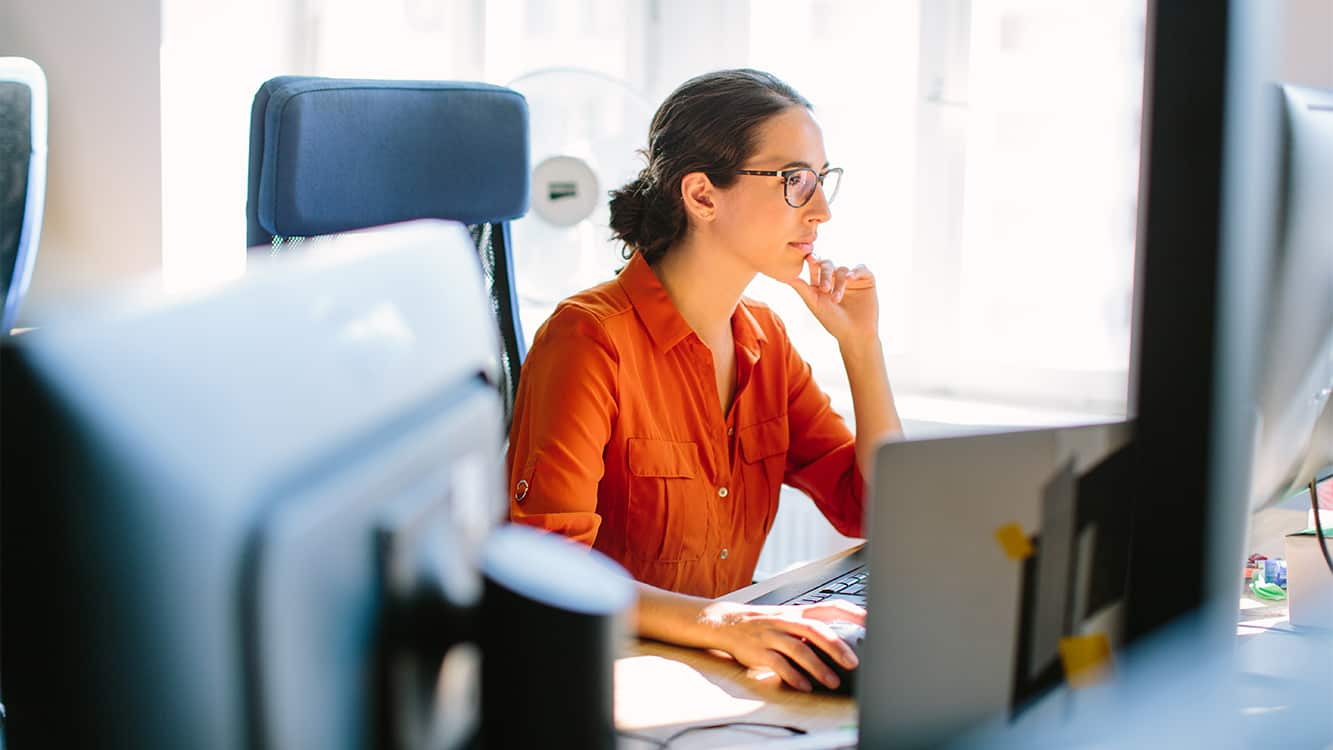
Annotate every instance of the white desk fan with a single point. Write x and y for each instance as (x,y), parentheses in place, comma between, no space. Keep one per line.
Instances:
(585,131)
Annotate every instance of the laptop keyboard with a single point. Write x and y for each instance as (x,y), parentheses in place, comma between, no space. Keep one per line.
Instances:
(851,586)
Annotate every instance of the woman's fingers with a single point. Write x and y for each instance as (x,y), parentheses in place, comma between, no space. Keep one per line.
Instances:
(822,636)
(781,666)
(839,282)
(832,281)
(815,267)
(833,610)
(860,277)
(821,273)
(801,653)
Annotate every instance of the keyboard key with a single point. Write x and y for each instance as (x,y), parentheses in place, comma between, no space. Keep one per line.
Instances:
(850,587)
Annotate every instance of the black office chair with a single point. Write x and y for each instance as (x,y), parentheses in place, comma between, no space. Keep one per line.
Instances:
(332,155)
(22,179)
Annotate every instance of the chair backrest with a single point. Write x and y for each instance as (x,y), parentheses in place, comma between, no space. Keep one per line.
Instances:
(22,179)
(333,155)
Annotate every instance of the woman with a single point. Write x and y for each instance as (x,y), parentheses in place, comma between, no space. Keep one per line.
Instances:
(659,413)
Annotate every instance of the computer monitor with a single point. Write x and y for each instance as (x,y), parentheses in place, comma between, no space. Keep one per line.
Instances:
(1233,284)
(1295,428)
(225,512)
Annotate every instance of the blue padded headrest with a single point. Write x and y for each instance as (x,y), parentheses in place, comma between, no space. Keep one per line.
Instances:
(343,154)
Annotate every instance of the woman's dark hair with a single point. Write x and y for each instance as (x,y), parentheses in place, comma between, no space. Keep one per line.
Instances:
(708,124)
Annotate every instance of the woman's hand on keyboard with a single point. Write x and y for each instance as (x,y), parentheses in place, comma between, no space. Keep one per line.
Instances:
(770,639)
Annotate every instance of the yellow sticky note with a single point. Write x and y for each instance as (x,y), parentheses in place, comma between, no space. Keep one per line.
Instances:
(1086,659)
(1014,542)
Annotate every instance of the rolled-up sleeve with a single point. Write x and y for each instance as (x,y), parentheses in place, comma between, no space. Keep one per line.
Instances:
(821,460)
(563,414)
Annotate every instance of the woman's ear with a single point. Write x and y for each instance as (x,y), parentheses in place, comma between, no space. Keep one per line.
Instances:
(697,194)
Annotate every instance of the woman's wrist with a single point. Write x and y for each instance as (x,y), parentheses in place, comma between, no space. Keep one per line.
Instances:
(715,619)
(858,349)
(676,618)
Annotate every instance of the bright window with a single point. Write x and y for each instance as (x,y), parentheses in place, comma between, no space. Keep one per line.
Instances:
(991,149)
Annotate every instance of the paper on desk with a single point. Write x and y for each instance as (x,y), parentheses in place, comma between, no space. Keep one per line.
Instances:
(680,694)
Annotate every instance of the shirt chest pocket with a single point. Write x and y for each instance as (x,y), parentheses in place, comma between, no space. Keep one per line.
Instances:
(764,450)
(667,519)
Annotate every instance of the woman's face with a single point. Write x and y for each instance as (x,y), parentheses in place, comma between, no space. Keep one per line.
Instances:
(754,220)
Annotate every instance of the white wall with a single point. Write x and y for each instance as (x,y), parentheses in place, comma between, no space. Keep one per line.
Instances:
(104,192)
(214,57)
(717,32)
(1307,56)
(149,131)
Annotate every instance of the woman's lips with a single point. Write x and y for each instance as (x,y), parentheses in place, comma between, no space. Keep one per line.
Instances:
(805,247)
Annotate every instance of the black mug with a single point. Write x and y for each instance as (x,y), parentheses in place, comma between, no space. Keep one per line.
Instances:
(552,618)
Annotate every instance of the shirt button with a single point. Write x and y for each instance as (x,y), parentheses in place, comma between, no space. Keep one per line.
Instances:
(721,491)
(731,431)
(724,553)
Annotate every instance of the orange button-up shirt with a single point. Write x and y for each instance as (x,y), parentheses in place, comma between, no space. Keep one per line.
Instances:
(619,440)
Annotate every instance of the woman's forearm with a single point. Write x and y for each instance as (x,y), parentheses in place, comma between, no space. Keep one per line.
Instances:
(872,400)
(673,618)
(773,639)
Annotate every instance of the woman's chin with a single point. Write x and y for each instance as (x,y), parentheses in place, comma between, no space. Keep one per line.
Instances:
(785,274)
(795,269)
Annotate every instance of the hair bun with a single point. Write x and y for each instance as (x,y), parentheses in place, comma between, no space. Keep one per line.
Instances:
(629,206)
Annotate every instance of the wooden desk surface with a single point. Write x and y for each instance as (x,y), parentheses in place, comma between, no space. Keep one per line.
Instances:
(661,689)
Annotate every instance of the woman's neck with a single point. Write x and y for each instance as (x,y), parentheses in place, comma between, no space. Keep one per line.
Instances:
(704,285)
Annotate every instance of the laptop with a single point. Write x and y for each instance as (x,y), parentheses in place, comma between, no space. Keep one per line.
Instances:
(999,567)
(844,578)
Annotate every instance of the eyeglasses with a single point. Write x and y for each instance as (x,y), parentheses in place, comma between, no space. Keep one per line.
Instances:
(798,183)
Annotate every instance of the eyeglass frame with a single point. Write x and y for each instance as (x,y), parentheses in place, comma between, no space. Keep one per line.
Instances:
(783,173)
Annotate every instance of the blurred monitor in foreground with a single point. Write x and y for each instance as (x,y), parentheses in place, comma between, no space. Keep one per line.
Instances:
(1233,345)
(228,516)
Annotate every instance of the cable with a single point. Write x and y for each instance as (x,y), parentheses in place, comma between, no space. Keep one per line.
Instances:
(664,744)
(660,745)
(1319,527)
(728,725)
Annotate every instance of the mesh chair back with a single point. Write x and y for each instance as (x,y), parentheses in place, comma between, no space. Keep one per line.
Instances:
(497,271)
(22,179)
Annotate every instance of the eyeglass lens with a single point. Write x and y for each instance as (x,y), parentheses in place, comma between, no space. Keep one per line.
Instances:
(801,185)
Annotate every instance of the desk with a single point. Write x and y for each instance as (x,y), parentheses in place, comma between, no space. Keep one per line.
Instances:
(661,689)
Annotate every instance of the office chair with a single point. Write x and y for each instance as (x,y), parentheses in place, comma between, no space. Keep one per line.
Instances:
(332,155)
(22,179)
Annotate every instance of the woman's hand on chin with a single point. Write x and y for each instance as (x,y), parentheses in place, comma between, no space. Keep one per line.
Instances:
(842,299)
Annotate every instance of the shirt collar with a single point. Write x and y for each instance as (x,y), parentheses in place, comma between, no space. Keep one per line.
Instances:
(664,322)
(746,331)
(658,313)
